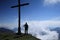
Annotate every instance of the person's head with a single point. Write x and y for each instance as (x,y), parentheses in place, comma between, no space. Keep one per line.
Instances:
(26,22)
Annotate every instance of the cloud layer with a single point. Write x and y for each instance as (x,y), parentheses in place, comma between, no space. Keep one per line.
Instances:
(41,30)
(51,2)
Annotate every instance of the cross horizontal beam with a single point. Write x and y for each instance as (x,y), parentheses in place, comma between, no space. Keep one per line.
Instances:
(20,5)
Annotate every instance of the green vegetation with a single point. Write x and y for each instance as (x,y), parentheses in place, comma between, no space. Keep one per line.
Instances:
(8,36)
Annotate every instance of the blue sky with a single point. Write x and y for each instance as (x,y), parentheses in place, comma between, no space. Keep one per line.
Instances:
(37,10)
(39,14)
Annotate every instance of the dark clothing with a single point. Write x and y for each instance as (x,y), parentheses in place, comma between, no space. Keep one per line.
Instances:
(26,28)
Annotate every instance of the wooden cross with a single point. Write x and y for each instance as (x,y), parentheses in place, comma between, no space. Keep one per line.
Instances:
(19,29)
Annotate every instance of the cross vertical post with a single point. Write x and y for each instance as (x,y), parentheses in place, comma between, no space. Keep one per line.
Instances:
(19,28)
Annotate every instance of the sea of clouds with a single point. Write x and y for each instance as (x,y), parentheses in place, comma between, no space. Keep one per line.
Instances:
(41,29)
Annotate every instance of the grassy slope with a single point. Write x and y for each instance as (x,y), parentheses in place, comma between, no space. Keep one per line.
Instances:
(6,36)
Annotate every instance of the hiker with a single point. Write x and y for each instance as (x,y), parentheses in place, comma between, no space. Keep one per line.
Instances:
(26,28)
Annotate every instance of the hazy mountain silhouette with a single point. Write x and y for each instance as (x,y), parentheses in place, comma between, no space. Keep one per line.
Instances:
(57,29)
(4,30)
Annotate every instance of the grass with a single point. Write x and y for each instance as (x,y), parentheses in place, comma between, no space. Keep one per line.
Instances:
(6,36)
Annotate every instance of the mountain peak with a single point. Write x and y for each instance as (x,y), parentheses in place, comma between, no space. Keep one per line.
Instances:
(6,34)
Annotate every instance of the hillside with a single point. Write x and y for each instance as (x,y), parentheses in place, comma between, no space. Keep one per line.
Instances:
(12,36)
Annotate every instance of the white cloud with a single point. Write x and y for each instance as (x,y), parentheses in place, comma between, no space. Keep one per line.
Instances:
(51,2)
(50,36)
(37,28)
(46,23)
(40,29)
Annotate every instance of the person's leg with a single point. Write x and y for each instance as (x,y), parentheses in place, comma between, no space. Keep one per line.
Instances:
(25,30)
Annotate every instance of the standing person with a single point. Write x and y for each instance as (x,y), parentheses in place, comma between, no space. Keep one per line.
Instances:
(26,28)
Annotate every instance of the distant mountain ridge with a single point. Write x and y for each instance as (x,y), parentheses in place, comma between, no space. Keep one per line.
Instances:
(5,30)
(57,29)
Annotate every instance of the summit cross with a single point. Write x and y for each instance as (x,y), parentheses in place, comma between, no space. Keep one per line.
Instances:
(19,5)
